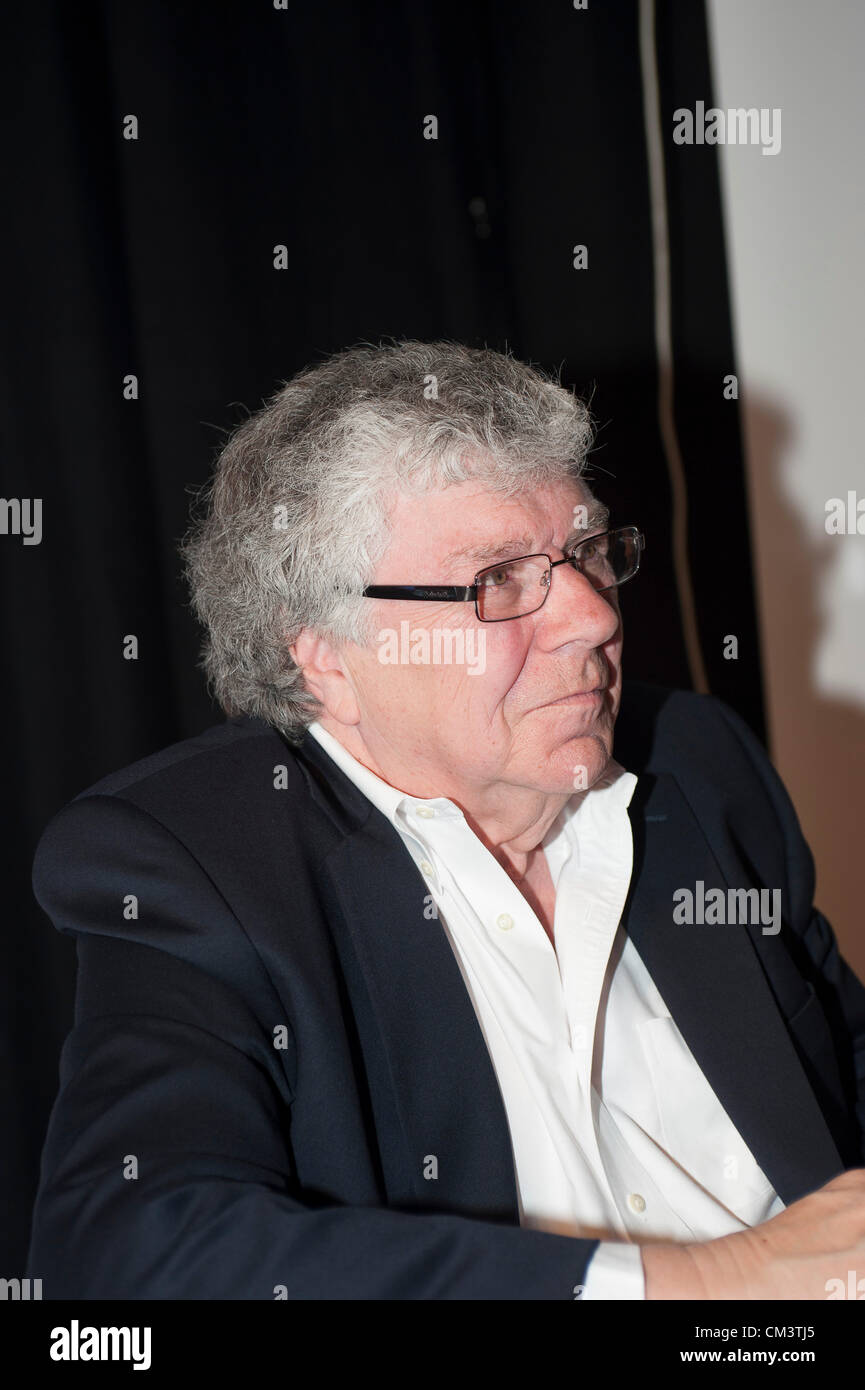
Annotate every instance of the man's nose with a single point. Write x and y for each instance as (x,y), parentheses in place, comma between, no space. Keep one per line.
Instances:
(576,611)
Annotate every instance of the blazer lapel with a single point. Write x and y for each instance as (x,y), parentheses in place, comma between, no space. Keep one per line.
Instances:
(714,985)
(444,1140)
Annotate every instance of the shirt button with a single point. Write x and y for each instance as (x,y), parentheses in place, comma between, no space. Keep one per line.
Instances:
(636,1202)
(426,811)
(427,868)
(504,921)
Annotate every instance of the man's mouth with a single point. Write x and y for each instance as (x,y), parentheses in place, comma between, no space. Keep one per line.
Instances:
(592,696)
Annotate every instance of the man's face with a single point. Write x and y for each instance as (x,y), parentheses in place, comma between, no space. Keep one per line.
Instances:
(536,698)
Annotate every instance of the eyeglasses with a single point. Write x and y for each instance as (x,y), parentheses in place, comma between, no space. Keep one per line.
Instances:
(515,588)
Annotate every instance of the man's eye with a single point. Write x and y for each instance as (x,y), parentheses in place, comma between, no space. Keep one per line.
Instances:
(495,579)
(591,549)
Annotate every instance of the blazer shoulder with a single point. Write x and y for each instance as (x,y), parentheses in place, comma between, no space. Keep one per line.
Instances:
(229,803)
(213,789)
(665,729)
(188,758)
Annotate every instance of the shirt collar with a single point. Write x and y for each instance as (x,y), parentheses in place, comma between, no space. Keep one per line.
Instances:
(387,799)
(610,794)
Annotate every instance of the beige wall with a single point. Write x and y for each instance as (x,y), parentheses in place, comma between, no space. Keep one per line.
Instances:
(796,251)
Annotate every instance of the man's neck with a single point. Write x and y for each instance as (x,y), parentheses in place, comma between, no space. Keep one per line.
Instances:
(510,821)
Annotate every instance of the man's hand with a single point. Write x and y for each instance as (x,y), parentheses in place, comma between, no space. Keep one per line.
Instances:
(792,1256)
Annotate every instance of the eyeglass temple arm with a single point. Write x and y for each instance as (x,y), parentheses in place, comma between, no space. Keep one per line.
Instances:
(423,593)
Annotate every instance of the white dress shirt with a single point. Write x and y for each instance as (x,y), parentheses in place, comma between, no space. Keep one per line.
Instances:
(613,1125)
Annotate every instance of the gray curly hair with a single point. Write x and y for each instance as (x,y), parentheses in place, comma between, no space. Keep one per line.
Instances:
(295,519)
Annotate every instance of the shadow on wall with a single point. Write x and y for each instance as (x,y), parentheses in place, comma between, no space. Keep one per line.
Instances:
(817,741)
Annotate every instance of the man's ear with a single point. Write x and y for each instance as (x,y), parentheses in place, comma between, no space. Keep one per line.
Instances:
(325,675)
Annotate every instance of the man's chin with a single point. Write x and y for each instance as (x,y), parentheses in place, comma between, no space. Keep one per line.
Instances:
(577,765)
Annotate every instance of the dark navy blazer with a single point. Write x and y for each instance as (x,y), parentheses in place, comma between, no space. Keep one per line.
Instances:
(272,1036)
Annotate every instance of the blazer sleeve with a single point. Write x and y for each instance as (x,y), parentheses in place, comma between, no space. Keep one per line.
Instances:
(840,991)
(167,1171)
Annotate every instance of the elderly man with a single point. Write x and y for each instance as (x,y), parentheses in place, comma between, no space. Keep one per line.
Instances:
(397,984)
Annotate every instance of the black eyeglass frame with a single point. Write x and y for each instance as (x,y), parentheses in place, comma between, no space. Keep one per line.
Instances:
(437,593)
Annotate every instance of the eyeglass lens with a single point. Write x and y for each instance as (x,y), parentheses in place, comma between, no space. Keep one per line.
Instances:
(518,587)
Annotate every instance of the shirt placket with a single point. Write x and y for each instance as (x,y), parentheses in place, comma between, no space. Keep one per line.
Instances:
(584,950)
(513,941)
(591,892)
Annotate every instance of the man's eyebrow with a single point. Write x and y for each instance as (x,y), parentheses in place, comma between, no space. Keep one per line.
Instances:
(510,547)
(597,520)
(503,547)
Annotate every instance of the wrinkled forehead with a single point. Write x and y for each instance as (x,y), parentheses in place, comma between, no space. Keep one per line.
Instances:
(469,524)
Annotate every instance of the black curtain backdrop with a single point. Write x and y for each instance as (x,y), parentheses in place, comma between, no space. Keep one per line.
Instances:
(304,127)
